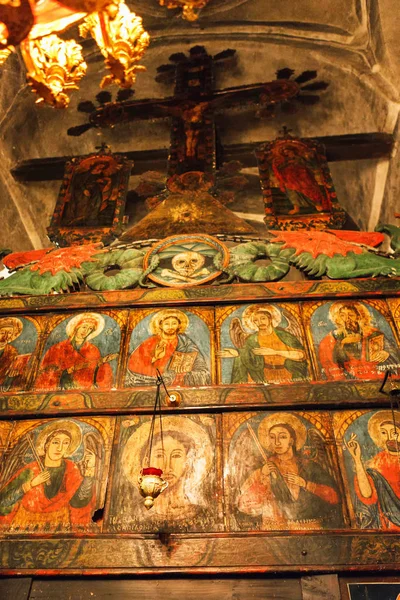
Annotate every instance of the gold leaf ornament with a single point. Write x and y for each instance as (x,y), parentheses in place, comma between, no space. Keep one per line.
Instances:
(122,41)
(190,8)
(55,67)
(5,53)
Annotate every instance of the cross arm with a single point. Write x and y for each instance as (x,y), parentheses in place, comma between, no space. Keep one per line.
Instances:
(338,148)
(115,113)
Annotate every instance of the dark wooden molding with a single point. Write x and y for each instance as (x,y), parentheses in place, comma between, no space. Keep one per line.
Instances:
(215,588)
(312,395)
(240,293)
(140,554)
(338,148)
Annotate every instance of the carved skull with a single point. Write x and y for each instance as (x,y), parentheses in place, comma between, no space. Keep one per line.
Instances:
(187,263)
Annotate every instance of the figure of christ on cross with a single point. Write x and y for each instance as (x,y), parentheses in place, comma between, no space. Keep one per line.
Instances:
(195,102)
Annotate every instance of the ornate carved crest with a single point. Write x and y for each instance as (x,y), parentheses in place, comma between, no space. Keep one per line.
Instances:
(297,185)
(186,260)
(90,205)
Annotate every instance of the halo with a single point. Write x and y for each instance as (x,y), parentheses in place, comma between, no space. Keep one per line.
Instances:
(383,416)
(131,455)
(249,312)
(337,306)
(78,319)
(13,322)
(70,426)
(160,315)
(278,419)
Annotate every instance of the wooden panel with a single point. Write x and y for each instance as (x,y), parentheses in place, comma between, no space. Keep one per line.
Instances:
(97,336)
(368,452)
(280,472)
(171,589)
(187,453)
(15,589)
(351,339)
(320,587)
(255,342)
(187,359)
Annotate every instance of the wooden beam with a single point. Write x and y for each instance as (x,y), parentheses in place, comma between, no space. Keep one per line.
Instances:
(358,146)
(52,169)
(167,589)
(338,148)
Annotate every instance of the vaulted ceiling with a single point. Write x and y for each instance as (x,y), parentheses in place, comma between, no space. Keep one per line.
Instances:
(351,43)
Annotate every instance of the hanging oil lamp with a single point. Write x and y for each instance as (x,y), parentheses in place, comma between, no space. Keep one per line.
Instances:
(151,483)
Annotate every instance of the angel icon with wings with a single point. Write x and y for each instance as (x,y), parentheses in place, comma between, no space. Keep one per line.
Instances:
(265,350)
(50,479)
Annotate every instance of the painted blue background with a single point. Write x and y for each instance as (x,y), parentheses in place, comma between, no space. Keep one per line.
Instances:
(108,341)
(226,342)
(197,331)
(321,325)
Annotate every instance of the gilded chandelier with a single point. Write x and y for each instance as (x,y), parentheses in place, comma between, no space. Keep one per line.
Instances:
(56,66)
(122,41)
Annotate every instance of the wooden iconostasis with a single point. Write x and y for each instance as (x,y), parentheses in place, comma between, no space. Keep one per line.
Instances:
(281,454)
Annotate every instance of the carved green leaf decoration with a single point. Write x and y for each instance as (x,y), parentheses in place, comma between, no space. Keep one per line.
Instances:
(118,269)
(30,282)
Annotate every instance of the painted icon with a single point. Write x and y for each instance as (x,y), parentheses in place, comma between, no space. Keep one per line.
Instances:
(18,337)
(267,346)
(370,444)
(185,451)
(179,347)
(354,340)
(52,477)
(280,473)
(92,199)
(297,185)
(80,353)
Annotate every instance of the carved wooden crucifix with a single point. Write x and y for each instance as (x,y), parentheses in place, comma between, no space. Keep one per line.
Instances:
(195,103)
(193,107)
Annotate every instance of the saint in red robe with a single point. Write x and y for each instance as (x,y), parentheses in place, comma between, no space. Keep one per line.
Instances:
(158,353)
(60,502)
(341,360)
(293,173)
(85,366)
(384,503)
